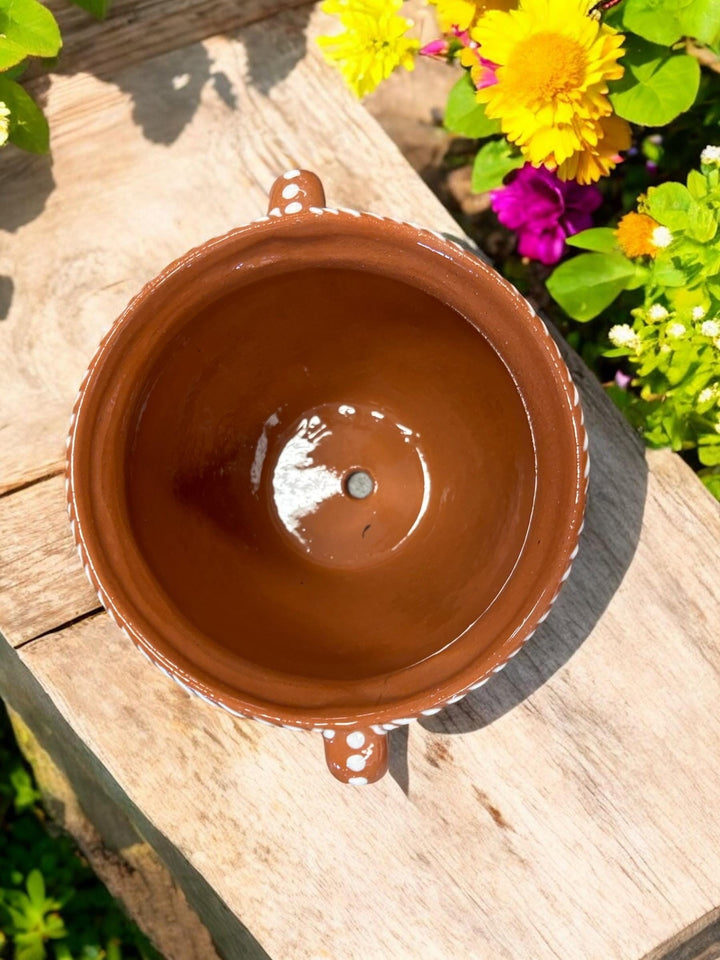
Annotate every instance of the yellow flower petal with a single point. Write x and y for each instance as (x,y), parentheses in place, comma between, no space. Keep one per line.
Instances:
(554,64)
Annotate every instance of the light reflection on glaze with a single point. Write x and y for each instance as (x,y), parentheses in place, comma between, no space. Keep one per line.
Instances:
(261,452)
(300,485)
(425,500)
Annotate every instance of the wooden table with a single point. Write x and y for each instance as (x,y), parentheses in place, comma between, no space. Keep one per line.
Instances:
(566,810)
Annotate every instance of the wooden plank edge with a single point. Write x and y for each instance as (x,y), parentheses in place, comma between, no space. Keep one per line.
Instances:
(130,869)
(699,941)
(110,812)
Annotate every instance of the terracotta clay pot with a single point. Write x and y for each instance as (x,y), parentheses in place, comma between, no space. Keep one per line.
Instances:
(328,471)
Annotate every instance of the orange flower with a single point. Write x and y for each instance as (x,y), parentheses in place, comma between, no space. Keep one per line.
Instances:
(635,235)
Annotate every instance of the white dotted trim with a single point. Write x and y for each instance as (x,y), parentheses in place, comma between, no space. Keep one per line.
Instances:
(291,174)
(294,207)
(358,781)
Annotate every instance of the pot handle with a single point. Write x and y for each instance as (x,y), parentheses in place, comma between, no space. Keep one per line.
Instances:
(356,755)
(295,191)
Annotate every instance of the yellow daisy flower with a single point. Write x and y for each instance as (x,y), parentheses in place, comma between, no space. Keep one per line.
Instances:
(463,13)
(373,43)
(550,97)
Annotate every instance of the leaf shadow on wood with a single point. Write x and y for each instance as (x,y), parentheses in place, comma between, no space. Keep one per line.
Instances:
(274,48)
(618,480)
(7,288)
(26,179)
(166,97)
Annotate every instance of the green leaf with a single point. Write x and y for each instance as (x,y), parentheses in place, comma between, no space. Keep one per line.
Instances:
(587,284)
(493,163)
(28,126)
(655,20)
(98,8)
(669,204)
(697,185)
(657,86)
(711,479)
(30,947)
(599,239)
(702,224)
(667,275)
(29,27)
(709,450)
(35,886)
(463,113)
(701,20)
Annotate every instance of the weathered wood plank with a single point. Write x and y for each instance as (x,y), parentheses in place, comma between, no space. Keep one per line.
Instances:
(700,941)
(582,822)
(42,584)
(126,864)
(122,826)
(136,30)
(565,809)
(127,164)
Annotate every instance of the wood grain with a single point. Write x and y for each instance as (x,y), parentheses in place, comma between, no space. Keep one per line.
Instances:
(133,190)
(126,864)
(137,30)
(565,810)
(42,584)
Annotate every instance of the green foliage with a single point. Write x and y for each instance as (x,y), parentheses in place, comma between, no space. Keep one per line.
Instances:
(675,356)
(28,127)
(673,344)
(667,21)
(98,8)
(587,284)
(28,29)
(51,905)
(493,163)
(463,113)
(657,86)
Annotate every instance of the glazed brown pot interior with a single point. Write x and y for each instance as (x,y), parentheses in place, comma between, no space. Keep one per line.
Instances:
(326,467)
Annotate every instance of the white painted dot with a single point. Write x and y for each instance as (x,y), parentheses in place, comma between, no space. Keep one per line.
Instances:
(291,174)
(328,734)
(431,711)
(356,739)
(290,190)
(358,781)
(356,762)
(294,207)
(275,212)
(389,726)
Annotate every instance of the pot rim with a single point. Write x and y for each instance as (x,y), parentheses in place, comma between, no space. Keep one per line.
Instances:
(327,224)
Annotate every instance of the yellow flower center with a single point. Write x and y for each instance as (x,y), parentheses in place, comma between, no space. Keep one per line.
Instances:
(546,66)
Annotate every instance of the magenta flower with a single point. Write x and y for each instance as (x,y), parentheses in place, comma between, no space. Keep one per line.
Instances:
(543,210)
(436,48)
